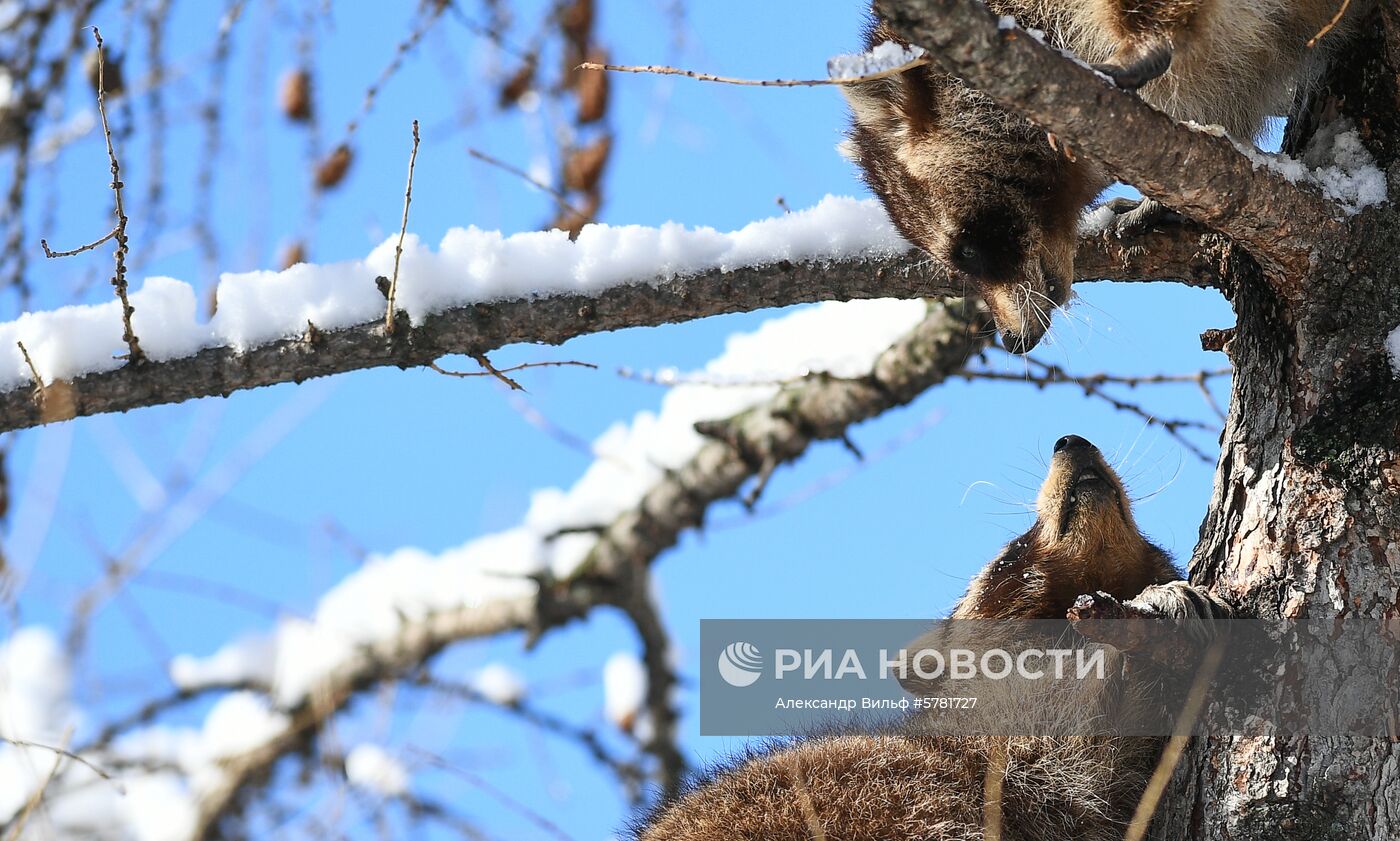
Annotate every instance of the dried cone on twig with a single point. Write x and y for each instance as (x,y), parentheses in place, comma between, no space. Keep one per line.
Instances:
(577,21)
(572,221)
(294,253)
(520,82)
(592,89)
(584,168)
(296,95)
(331,171)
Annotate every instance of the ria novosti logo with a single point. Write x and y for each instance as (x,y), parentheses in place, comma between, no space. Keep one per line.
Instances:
(740,664)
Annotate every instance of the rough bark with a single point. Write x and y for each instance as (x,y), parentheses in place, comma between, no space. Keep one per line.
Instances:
(1182,254)
(1200,174)
(1303,528)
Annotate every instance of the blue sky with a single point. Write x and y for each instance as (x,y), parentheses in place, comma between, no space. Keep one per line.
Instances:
(386,458)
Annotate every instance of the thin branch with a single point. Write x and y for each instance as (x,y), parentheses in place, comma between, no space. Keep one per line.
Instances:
(51,254)
(521,367)
(1180,254)
(559,198)
(387,659)
(782,429)
(16,828)
(1176,745)
(588,739)
(663,70)
(1278,219)
(1331,24)
(636,601)
(1092,384)
(403,231)
(493,371)
(62,753)
(820,408)
(514,805)
(134,352)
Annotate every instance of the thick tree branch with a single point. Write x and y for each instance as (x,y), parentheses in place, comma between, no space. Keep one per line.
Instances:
(1176,254)
(1197,173)
(820,407)
(817,408)
(389,658)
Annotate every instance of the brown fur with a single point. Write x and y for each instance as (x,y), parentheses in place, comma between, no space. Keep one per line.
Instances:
(985,192)
(919,783)
(1084,540)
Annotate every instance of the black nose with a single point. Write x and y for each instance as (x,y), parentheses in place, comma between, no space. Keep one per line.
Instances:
(1017,343)
(1070,441)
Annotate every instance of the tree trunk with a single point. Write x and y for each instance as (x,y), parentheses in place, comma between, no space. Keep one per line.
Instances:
(1304,523)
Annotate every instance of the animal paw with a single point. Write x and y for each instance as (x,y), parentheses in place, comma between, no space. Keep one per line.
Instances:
(1134,217)
(1136,66)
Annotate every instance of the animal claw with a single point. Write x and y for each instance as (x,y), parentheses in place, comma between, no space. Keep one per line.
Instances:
(1135,67)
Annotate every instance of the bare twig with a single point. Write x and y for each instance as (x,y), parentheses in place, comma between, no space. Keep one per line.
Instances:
(37,797)
(403,231)
(1176,745)
(432,11)
(477,781)
(559,198)
(663,70)
(636,601)
(134,352)
(1331,24)
(50,253)
(33,372)
(1092,384)
(521,367)
(587,738)
(495,372)
(62,753)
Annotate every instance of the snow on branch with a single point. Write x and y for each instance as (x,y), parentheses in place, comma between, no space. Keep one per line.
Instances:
(851,361)
(481,290)
(1201,174)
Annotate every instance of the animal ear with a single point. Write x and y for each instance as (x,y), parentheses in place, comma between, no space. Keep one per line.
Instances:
(875,104)
(902,102)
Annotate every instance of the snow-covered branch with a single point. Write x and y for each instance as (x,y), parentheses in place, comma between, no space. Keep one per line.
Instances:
(577,549)
(478,292)
(1271,207)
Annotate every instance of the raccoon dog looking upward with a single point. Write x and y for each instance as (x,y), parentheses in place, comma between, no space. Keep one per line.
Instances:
(983,190)
(920,782)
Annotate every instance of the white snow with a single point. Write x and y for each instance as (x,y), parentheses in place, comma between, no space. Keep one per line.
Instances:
(1392,346)
(34,707)
(1337,163)
(499,684)
(470,265)
(408,584)
(250,660)
(878,59)
(374,769)
(374,603)
(624,689)
(7,83)
(1096,220)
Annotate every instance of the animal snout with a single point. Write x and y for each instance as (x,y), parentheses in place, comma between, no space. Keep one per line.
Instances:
(1072,442)
(1019,343)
